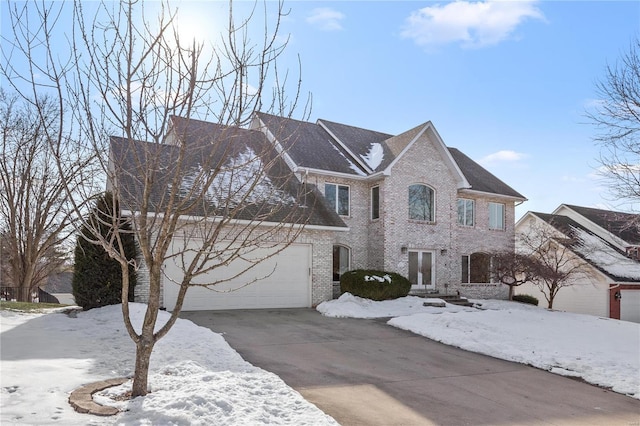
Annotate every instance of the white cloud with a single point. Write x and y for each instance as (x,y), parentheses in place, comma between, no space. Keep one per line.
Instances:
(326,19)
(473,24)
(572,179)
(504,156)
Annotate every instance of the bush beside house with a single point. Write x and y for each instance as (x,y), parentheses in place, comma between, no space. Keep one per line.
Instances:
(374,285)
(97,278)
(525,298)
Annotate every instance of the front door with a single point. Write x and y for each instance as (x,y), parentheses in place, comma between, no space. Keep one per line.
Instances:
(421,270)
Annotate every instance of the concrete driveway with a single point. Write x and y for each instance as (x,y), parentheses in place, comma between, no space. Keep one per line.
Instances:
(363,372)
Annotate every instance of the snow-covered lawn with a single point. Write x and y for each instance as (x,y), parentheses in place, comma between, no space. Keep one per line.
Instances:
(601,351)
(196,377)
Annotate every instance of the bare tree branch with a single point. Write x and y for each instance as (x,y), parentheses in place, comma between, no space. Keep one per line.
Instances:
(555,265)
(199,196)
(617,120)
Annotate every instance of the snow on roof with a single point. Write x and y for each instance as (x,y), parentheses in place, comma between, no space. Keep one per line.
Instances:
(237,183)
(352,165)
(604,256)
(375,156)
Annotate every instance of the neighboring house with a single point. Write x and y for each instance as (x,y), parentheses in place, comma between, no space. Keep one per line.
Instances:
(404,203)
(59,286)
(608,243)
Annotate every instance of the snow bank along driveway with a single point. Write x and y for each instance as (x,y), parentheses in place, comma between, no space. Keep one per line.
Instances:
(601,351)
(195,379)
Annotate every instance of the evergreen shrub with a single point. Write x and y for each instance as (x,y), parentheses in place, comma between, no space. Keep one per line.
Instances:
(97,278)
(374,285)
(525,298)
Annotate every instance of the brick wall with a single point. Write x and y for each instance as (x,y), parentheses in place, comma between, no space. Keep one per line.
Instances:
(377,244)
(141,291)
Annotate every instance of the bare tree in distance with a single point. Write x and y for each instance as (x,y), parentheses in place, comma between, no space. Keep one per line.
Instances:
(514,269)
(617,120)
(555,263)
(198,196)
(35,210)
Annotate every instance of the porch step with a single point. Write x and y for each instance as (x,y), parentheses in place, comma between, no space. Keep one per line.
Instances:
(454,299)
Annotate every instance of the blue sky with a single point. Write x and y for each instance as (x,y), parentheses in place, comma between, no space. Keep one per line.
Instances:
(506,82)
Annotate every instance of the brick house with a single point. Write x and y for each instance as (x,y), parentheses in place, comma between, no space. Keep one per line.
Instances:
(405,203)
(607,243)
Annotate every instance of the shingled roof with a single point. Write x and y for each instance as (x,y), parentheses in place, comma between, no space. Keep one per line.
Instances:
(367,145)
(480,178)
(598,252)
(310,146)
(625,226)
(236,153)
(336,147)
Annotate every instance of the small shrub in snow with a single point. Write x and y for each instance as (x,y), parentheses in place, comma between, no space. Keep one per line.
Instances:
(374,285)
(525,298)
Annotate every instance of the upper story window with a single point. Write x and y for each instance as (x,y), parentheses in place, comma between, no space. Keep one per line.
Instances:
(421,203)
(466,212)
(375,202)
(338,198)
(496,216)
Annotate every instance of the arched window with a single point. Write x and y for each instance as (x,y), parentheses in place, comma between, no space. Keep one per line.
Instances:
(421,203)
(341,261)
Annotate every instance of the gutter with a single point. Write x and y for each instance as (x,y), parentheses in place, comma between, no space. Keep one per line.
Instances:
(191,218)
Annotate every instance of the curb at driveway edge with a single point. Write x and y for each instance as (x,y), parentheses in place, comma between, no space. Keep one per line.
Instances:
(82,401)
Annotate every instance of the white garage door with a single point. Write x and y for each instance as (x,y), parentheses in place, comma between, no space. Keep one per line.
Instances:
(284,281)
(630,305)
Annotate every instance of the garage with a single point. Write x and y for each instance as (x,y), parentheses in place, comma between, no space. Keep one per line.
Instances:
(630,305)
(281,281)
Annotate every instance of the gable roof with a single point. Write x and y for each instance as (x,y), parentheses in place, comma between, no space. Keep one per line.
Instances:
(480,178)
(625,226)
(368,146)
(309,145)
(60,282)
(237,154)
(331,147)
(595,250)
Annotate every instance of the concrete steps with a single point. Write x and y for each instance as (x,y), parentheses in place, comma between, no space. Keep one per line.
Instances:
(454,299)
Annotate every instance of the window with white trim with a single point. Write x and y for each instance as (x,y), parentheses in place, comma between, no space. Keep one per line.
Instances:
(421,203)
(466,212)
(496,216)
(338,198)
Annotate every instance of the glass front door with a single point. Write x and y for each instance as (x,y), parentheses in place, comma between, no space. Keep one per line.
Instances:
(421,270)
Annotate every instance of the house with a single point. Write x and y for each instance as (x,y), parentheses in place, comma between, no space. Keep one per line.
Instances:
(59,287)
(607,243)
(405,203)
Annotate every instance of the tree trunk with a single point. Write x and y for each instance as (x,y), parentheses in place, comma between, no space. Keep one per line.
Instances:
(550,304)
(140,378)
(510,292)
(24,289)
(147,340)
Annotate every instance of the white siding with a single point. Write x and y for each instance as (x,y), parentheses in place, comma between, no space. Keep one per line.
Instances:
(584,298)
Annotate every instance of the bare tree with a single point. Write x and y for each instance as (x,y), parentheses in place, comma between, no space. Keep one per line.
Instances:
(514,269)
(35,212)
(555,262)
(617,118)
(198,196)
